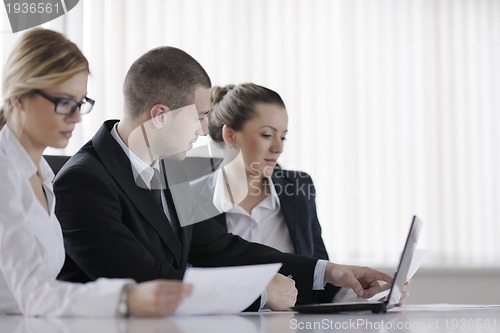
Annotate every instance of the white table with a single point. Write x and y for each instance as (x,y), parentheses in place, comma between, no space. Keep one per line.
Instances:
(411,319)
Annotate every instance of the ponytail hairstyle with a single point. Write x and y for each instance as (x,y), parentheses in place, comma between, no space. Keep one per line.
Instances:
(40,58)
(235,105)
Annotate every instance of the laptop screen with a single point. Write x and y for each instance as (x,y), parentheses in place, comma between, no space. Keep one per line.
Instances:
(404,263)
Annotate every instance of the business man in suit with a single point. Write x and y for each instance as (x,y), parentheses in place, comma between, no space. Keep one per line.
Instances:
(114,226)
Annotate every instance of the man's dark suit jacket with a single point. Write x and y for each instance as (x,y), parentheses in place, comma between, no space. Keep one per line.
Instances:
(113,228)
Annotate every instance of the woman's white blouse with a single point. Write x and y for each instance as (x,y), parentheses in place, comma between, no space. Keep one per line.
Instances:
(265,224)
(32,248)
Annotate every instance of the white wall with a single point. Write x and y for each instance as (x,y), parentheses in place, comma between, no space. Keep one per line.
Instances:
(393,104)
(479,286)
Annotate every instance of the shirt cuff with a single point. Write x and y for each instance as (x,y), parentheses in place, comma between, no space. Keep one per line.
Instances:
(263,300)
(319,275)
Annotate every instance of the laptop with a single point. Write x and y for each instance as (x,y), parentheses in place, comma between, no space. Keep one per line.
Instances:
(396,289)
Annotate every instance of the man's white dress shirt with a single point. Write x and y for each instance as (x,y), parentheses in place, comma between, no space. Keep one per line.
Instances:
(141,168)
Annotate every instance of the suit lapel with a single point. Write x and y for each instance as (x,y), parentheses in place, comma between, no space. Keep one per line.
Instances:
(119,167)
(288,204)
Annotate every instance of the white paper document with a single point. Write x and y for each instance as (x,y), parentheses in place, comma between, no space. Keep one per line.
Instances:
(225,290)
(418,259)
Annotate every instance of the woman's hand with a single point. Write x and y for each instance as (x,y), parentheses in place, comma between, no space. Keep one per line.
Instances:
(157,298)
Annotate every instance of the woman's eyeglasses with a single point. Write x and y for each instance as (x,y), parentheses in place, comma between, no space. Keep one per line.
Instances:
(67,106)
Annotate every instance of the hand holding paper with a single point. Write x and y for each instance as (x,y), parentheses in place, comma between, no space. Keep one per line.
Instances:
(225,290)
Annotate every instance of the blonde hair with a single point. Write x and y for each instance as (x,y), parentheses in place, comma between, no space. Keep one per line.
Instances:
(40,58)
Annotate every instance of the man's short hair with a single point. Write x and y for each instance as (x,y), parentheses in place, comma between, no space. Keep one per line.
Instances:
(164,75)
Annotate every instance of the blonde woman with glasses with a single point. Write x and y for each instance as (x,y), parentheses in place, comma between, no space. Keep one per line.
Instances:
(44,94)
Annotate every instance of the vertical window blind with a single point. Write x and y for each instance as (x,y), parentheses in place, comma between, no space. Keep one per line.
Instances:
(394,106)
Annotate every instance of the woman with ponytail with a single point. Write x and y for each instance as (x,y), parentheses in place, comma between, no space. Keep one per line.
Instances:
(274,206)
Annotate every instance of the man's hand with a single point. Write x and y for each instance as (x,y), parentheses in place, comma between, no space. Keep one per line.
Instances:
(363,280)
(404,293)
(281,293)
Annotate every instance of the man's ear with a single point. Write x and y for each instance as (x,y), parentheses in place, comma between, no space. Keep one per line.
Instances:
(158,114)
(228,134)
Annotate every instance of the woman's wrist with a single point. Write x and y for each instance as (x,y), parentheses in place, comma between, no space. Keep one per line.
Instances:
(123,308)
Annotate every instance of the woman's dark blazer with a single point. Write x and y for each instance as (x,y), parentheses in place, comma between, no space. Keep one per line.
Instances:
(297,195)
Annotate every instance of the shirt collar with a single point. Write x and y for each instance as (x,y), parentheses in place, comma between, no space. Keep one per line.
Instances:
(223,204)
(25,164)
(139,167)
(274,194)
